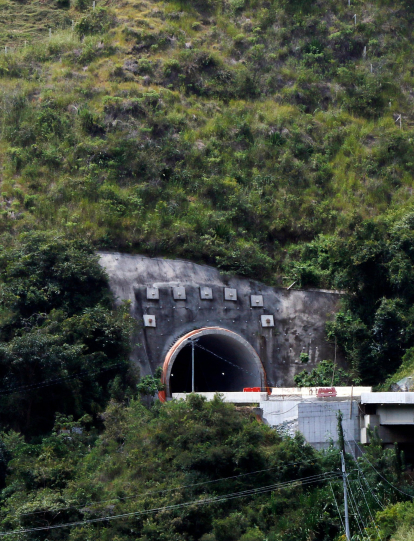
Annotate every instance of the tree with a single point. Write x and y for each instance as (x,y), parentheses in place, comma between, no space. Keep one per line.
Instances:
(149,385)
(341,438)
(63,343)
(325,374)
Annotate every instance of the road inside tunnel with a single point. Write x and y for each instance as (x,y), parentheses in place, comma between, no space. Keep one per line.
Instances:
(223,362)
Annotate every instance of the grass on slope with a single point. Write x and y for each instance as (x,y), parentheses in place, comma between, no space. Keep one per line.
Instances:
(30,21)
(179,455)
(222,131)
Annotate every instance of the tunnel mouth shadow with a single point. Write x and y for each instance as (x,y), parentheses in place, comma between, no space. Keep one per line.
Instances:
(223,362)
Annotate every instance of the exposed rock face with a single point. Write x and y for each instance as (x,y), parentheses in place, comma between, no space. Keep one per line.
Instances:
(293,321)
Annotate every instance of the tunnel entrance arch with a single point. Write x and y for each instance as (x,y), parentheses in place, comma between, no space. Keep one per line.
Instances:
(224,362)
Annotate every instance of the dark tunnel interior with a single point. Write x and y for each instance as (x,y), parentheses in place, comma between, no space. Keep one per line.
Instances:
(221,364)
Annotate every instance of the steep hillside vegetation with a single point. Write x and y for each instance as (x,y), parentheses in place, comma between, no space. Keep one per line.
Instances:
(220,130)
(187,471)
(63,348)
(270,138)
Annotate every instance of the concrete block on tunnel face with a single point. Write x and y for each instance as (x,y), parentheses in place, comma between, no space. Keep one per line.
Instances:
(267,321)
(179,293)
(206,293)
(230,294)
(149,321)
(256,300)
(153,293)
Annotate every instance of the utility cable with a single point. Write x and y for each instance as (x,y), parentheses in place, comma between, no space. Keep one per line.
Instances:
(136,496)
(48,382)
(358,510)
(223,359)
(382,477)
(355,512)
(363,517)
(337,507)
(361,489)
(358,515)
(261,490)
(197,502)
(361,474)
(359,481)
(279,413)
(363,492)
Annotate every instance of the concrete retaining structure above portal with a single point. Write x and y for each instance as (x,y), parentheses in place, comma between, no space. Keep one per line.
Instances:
(297,322)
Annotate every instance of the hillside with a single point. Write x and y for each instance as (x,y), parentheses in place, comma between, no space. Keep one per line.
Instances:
(188,471)
(222,131)
(272,139)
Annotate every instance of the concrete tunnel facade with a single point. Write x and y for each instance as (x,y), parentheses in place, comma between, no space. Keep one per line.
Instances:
(247,334)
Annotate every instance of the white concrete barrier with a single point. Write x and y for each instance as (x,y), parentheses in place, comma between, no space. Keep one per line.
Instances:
(387,398)
(313,392)
(233,398)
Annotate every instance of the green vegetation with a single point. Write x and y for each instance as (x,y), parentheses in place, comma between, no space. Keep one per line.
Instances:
(24,22)
(173,454)
(258,136)
(263,137)
(374,264)
(326,374)
(406,370)
(222,131)
(63,347)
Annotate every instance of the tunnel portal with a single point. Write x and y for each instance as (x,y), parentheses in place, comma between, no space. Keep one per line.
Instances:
(174,298)
(223,362)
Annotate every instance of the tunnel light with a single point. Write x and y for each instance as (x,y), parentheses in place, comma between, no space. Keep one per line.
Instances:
(222,373)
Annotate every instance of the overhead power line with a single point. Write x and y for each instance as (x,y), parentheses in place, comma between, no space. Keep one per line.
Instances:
(361,473)
(223,359)
(215,499)
(48,382)
(358,518)
(361,489)
(382,477)
(143,494)
(337,507)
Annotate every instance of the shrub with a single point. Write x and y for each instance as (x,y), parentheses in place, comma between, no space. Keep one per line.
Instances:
(96,22)
(57,330)
(325,374)
(144,66)
(230,528)
(82,5)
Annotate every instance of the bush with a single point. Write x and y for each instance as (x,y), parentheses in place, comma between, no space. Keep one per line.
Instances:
(90,122)
(230,528)
(326,374)
(82,5)
(58,331)
(96,22)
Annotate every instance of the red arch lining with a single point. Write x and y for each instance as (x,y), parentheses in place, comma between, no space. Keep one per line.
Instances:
(162,395)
